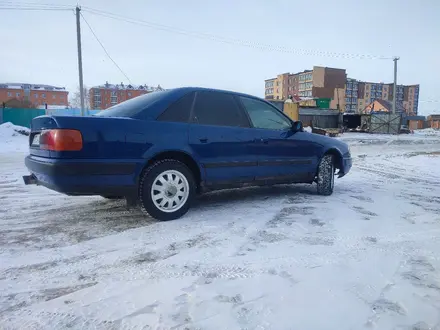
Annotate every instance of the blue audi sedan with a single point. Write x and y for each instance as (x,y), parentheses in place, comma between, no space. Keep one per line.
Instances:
(161,149)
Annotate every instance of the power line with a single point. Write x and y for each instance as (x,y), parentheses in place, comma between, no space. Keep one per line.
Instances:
(105,50)
(232,41)
(12,5)
(33,3)
(39,9)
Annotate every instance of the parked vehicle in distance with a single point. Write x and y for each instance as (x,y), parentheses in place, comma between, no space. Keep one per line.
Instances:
(163,148)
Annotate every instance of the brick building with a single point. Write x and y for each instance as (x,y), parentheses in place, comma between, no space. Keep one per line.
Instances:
(347,94)
(108,95)
(321,82)
(38,95)
(359,94)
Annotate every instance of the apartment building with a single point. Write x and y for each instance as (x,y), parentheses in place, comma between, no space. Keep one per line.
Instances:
(320,82)
(108,95)
(39,95)
(359,94)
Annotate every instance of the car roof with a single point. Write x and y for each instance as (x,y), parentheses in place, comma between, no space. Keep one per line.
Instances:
(185,90)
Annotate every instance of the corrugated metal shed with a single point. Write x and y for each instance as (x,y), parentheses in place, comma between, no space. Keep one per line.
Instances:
(322,118)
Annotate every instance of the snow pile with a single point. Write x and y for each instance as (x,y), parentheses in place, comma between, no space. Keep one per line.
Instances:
(427,132)
(9,129)
(13,137)
(390,139)
(308,129)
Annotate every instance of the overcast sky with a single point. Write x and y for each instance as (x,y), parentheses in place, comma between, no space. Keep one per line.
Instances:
(40,46)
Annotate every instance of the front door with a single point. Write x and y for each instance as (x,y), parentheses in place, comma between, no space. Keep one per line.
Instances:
(221,138)
(283,155)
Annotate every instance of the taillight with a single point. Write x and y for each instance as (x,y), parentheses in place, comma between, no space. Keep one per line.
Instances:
(61,140)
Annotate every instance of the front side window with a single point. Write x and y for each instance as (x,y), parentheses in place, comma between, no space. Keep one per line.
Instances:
(218,109)
(265,116)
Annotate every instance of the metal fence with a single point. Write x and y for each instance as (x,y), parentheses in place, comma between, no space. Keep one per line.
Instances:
(385,123)
(23,117)
(71,112)
(20,117)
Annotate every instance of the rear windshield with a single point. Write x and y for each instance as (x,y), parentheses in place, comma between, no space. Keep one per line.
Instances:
(133,106)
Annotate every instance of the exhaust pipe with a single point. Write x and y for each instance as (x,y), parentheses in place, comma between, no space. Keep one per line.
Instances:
(30,179)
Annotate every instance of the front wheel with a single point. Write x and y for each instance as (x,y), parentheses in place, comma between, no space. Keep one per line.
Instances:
(167,189)
(326,176)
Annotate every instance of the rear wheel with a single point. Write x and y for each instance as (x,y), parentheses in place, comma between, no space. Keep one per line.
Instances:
(326,175)
(167,189)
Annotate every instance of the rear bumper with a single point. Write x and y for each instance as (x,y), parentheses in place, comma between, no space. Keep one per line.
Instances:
(84,177)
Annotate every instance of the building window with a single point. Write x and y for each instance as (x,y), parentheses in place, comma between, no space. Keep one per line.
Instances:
(43,95)
(9,94)
(36,95)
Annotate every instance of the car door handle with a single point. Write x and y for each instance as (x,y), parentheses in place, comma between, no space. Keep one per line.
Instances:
(261,141)
(203,140)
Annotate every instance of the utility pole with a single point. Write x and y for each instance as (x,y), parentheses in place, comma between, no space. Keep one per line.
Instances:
(395,59)
(80,69)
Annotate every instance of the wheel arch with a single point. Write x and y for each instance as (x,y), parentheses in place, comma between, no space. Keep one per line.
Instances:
(180,156)
(337,157)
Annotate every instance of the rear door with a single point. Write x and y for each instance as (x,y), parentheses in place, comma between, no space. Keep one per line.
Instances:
(282,153)
(221,137)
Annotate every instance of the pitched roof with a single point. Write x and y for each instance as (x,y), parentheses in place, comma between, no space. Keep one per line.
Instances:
(387,105)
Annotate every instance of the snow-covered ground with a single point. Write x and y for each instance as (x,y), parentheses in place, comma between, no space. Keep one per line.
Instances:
(366,257)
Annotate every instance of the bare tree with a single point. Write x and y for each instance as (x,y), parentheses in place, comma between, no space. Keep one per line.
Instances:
(75,99)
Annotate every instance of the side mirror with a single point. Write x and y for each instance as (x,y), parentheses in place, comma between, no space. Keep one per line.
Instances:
(297,126)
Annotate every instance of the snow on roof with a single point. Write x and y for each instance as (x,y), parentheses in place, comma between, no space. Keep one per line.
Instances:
(122,86)
(31,86)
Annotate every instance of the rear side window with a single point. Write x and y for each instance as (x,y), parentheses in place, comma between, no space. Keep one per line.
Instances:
(218,109)
(132,107)
(179,111)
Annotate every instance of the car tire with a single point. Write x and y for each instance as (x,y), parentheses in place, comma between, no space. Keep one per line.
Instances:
(326,176)
(167,189)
